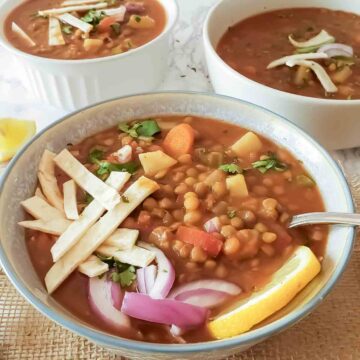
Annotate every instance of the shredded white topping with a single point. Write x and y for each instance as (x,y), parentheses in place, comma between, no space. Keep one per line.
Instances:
(78,2)
(55,35)
(308,56)
(68,9)
(75,22)
(320,72)
(322,38)
(18,30)
(120,11)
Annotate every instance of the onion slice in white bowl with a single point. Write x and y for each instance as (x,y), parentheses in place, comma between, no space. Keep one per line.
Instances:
(336,49)
(165,275)
(212,225)
(146,278)
(105,298)
(163,311)
(323,37)
(307,56)
(207,298)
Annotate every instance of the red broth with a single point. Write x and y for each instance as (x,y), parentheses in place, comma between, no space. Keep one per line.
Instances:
(250,45)
(249,264)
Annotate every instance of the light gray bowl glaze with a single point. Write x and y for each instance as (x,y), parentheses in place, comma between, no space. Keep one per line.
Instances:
(19,182)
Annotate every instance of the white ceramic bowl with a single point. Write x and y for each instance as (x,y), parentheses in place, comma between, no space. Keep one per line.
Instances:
(19,182)
(72,84)
(334,123)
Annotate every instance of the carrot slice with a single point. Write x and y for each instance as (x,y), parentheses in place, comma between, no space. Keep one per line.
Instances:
(196,237)
(179,140)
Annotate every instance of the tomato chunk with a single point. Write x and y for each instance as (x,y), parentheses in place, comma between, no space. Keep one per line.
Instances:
(211,244)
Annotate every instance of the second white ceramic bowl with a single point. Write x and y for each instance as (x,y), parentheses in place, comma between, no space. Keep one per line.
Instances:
(72,84)
(334,123)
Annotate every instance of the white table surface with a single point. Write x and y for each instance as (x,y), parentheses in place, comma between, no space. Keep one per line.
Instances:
(187,71)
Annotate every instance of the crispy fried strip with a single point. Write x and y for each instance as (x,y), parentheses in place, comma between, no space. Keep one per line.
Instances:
(53,227)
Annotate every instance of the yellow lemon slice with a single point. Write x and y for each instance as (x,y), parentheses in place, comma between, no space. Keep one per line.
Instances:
(293,276)
(13,134)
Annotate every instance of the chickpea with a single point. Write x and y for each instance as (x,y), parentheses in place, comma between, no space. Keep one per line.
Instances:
(192,217)
(185,251)
(268,249)
(224,219)
(160,234)
(150,203)
(167,219)
(191,203)
(192,172)
(220,208)
(178,176)
(270,203)
(189,194)
(167,189)
(126,140)
(177,245)
(201,189)
(201,167)
(270,213)
(160,213)
(188,119)
(227,230)
(198,254)
(166,203)
(221,271)
(181,189)
(190,181)
(219,189)
(248,217)
(284,217)
(231,246)
(279,190)
(260,227)
(202,177)
(260,190)
(237,222)
(269,237)
(191,266)
(178,214)
(185,159)
(210,264)
(268,182)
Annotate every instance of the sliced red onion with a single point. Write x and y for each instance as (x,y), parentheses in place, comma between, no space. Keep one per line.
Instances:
(135,8)
(212,225)
(336,49)
(163,311)
(165,274)
(215,285)
(206,298)
(146,278)
(105,300)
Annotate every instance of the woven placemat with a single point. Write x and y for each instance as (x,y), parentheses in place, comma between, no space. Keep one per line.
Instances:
(332,331)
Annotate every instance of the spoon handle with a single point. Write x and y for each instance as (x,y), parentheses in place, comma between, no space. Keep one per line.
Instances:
(325,218)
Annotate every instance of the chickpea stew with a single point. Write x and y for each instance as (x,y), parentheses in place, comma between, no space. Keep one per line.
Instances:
(152,229)
(83,29)
(310,51)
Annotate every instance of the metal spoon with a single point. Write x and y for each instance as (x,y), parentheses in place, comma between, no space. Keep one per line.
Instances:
(325,218)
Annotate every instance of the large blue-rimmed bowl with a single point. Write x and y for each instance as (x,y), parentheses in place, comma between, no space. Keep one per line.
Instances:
(19,181)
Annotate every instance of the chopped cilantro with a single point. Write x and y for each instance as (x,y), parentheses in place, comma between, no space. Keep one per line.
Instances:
(146,128)
(93,17)
(88,198)
(137,19)
(124,274)
(231,168)
(95,156)
(231,214)
(270,163)
(116,28)
(67,29)
(106,167)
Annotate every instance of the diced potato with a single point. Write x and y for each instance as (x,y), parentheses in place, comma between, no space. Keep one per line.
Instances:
(340,76)
(247,144)
(141,22)
(302,76)
(156,161)
(92,44)
(237,185)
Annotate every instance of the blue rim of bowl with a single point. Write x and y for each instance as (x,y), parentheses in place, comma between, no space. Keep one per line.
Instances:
(249,338)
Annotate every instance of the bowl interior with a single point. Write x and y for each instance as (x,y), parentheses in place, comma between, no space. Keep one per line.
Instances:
(230,12)
(20,180)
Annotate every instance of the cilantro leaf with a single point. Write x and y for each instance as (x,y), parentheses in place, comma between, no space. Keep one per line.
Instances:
(67,29)
(231,168)
(146,128)
(106,167)
(231,214)
(270,163)
(124,278)
(95,156)
(93,17)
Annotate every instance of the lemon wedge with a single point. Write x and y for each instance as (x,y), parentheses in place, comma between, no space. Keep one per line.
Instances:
(13,134)
(293,276)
